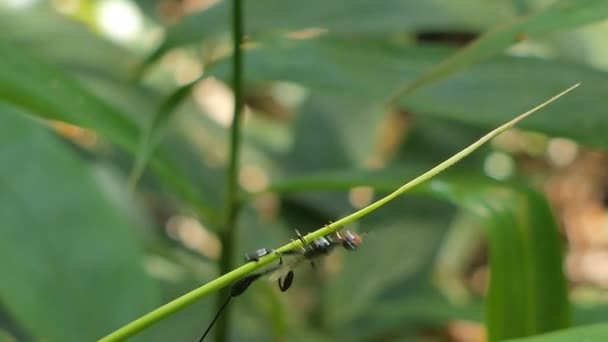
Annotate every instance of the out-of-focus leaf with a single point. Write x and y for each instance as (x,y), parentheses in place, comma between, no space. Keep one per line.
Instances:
(46,91)
(337,17)
(364,70)
(69,260)
(102,70)
(404,240)
(341,130)
(316,129)
(587,314)
(589,333)
(339,141)
(483,96)
(561,15)
(99,65)
(528,291)
(429,140)
(419,306)
(150,8)
(63,41)
(154,132)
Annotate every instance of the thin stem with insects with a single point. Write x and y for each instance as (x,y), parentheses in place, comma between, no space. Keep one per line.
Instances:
(230,277)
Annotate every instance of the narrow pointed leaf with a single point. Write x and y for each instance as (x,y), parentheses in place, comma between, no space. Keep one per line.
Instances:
(561,15)
(528,293)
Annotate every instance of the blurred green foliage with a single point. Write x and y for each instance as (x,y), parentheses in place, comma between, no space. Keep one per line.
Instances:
(82,256)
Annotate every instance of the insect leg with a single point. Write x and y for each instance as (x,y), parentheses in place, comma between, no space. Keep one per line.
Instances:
(215,319)
(301,238)
(237,289)
(286,284)
(239,286)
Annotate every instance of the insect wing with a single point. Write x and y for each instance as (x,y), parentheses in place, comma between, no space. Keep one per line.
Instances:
(290,262)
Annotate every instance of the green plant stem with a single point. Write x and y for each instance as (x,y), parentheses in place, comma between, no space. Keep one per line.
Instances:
(229,277)
(237,86)
(228,234)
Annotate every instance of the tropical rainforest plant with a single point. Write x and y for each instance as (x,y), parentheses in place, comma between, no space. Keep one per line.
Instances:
(120,183)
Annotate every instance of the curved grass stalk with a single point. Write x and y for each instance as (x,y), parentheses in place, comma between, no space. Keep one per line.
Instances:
(228,278)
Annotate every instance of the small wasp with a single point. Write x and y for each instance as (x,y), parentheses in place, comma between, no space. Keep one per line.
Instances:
(283,272)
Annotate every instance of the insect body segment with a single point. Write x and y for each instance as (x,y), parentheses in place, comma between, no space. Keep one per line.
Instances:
(323,245)
(285,284)
(283,272)
(256,255)
(350,240)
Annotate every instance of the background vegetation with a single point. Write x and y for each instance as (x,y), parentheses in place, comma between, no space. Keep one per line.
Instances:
(344,101)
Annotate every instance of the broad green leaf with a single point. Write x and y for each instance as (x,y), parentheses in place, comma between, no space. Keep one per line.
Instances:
(356,134)
(46,91)
(342,131)
(63,41)
(101,69)
(482,96)
(429,139)
(364,70)
(560,15)
(99,65)
(588,333)
(338,17)
(72,269)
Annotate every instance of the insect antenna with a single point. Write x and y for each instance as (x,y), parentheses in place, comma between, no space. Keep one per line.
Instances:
(236,290)
(215,319)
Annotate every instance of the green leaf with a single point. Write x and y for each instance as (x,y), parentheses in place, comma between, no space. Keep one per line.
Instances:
(420,306)
(72,269)
(410,230)
(561,15)
(63,41)
(46,91)
(430,139)
(155,130)
(588,333)
(528,290)
(481,97)
(319,127)
(359,17)
(364,70)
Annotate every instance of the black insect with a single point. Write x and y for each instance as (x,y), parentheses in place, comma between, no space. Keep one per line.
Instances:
(283,272)
(284,284)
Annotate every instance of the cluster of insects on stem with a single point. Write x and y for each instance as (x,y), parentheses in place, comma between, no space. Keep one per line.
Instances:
(283,271)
